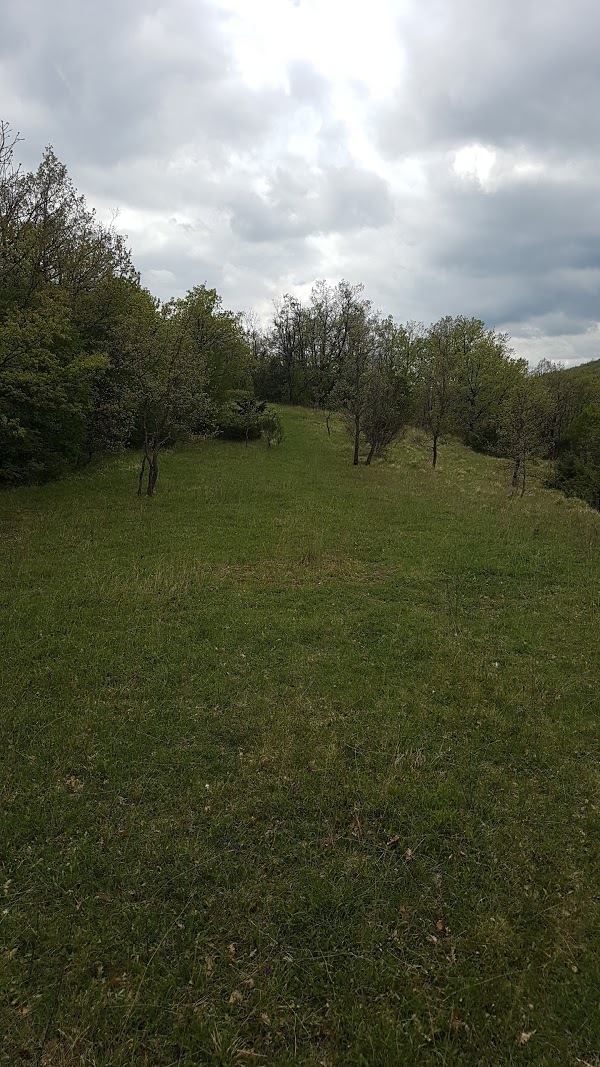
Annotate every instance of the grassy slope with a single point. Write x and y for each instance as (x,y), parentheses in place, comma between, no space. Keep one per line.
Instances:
(591,367)
(298,763)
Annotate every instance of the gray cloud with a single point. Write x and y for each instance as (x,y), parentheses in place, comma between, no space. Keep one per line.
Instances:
(299,203)
(520,72)
(258,188)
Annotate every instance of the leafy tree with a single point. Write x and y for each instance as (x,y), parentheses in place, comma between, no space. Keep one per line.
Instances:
(169,377)
(46,383)
(270,424)
(485,375)
(63,281)
(389,388)
(439,356)
(567,394)
(286,345)
(521,435)
(577,470)
(351,387)
(50,238)
(219,339)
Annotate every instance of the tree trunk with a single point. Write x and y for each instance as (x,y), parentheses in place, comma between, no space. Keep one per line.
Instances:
(141,477)
(327,425)
(523,477)
(434,457)
(370,456)
(152,473)
(356,439)
(515,473)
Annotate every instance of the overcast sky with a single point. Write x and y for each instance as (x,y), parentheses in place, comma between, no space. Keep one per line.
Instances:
(444,152)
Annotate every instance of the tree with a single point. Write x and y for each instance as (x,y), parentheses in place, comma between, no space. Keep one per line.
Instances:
(286,344)
(250,412)
(388,401)
(219,339)
(64,282)
(521,436)
(577,470)
(49,237)
(101,315)
(350,391)
(46,383)
(567,394)
(437,371)
(485,374)
(270,424)
(169,377)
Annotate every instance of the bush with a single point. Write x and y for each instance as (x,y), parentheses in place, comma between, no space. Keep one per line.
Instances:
(240,419)
(271,427)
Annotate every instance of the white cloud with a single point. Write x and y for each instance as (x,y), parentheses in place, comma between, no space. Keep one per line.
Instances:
(441,151)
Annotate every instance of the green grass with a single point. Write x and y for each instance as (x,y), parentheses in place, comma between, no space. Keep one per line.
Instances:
(298,763)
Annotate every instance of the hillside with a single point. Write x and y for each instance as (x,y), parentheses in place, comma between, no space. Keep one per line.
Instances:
(299,762)
(591,367)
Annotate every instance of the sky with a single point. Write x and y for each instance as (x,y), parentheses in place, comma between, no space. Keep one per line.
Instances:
(446,153)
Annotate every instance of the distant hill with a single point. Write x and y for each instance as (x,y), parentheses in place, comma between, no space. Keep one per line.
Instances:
(592,367)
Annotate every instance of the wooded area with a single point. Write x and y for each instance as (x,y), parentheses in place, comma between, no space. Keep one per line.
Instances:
(91,362)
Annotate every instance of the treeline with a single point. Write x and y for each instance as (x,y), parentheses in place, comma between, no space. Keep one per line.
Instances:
(90,362)
(455,376)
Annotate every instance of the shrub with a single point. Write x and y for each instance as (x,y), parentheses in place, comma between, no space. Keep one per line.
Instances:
(240,419)
(270,424)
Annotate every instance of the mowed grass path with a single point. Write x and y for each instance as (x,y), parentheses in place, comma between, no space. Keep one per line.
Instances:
(298,763)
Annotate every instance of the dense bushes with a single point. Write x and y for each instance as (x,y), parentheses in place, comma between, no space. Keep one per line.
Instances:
(245,418)
(577,470)
(89,360)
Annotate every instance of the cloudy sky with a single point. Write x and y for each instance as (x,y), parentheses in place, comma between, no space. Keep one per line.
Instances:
(444,152)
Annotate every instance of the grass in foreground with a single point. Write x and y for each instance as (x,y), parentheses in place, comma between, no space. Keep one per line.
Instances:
(298,763)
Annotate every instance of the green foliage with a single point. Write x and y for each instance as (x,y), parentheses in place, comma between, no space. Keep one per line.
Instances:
(565,394)
(46,388)
(241,418)
(68,291)
(486,374)
(218,339)
(62,280)
(577,469)
(389,393)
(520,430)
(271,427)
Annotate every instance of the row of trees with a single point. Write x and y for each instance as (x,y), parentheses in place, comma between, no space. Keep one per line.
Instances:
(453,377)
(89,360)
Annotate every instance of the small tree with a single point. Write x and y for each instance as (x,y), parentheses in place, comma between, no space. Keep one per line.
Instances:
(439,355)
(169,379)
(270,424)
(485,375)
(521,435)
(389,387)
(386,410)
(350,391)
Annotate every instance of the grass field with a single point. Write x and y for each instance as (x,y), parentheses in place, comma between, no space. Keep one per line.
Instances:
(298,763)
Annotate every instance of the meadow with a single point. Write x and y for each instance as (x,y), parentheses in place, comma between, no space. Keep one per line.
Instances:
(299,762)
